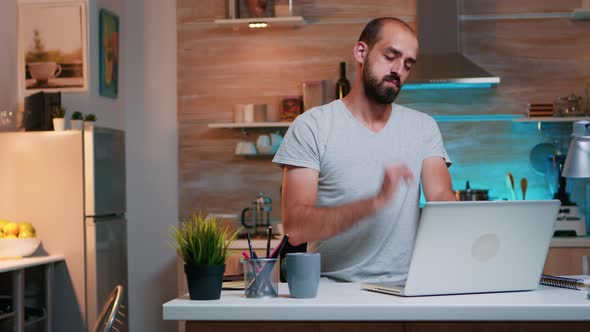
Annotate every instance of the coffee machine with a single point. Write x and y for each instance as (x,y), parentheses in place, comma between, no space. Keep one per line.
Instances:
(570,221)
(256,217)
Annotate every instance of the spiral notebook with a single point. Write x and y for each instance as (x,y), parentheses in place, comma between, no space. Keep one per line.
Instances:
(579,282)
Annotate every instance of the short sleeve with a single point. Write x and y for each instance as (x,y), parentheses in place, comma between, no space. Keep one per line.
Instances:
(433,144)
(300,144)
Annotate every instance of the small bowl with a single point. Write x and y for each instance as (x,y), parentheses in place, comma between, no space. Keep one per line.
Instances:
(18,247)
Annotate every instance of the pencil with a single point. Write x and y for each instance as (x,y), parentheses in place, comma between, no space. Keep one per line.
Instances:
(269,236)
(250,245)
(279,248)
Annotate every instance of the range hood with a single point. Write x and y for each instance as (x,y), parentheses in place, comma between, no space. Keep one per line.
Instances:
(440,62)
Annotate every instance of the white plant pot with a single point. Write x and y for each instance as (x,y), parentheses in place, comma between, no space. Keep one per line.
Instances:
(59,124)
(88,125)
(77,124)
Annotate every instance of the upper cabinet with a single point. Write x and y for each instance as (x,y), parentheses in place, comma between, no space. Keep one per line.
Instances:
(261,22)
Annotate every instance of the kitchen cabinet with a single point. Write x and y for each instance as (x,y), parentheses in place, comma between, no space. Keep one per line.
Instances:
(553,119)
(285,21)
(567,261)
(15,320)
(568,256)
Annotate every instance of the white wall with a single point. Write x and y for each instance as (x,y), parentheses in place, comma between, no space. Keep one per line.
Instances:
(152,159)
(8,67)
(109,112)
(146,110)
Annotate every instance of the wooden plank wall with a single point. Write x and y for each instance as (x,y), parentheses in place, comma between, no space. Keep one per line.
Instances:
(537,59)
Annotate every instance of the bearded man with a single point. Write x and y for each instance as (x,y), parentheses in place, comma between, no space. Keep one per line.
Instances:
(353,167)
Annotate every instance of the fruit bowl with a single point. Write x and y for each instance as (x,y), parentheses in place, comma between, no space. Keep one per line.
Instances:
(19,247)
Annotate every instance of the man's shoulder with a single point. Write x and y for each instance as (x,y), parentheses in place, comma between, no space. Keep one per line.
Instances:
(322,113)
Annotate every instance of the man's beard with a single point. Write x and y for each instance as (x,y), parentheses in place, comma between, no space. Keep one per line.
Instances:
(376,90)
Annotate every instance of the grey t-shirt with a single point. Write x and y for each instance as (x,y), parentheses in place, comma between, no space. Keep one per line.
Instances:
(351,160)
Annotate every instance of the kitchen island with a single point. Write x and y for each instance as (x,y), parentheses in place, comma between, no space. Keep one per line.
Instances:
(344,306)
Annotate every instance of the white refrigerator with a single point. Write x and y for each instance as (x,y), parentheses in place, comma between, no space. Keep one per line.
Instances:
(71,186)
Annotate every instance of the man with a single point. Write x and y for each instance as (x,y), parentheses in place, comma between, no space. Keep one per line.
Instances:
(351,167)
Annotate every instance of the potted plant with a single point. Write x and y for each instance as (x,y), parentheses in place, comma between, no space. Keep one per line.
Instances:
(59,113)
(203,243)
(89,120)
(77,121)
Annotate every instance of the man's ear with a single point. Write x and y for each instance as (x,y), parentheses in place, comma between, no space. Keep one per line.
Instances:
(361,51)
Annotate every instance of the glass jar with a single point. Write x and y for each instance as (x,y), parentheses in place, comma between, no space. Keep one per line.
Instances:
(571,105)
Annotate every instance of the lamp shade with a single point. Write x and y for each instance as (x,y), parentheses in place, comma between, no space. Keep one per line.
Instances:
(577,163)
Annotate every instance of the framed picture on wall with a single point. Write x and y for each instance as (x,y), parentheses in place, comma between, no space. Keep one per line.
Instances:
(52,47)
(108,53)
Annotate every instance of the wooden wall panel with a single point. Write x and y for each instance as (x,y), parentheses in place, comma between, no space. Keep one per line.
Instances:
(473,7)
(192,11)
(354,9)
(537,60)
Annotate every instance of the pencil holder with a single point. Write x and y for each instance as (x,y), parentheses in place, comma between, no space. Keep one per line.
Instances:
(261,278)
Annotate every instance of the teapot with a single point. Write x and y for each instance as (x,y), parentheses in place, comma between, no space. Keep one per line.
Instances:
(259,211)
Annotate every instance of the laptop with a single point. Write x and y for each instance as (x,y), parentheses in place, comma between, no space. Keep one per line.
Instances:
(477,247)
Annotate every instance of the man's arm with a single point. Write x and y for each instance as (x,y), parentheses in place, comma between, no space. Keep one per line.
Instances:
(436,180)
(305,222)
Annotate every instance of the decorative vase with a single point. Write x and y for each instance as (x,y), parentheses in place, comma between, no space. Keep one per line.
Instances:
(88,125)
(204,281)
(59,124)
(77,124)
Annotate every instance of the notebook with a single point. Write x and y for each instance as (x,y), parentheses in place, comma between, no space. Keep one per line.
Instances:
(577,282)
(477,247)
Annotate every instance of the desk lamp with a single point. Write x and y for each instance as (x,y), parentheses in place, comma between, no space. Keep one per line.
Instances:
(577,162)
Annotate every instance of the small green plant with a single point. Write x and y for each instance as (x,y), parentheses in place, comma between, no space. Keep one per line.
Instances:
(202,240)
(59,112)
(90,117)
(77,116)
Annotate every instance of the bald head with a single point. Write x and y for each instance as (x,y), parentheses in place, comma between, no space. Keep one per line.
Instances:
(372,31)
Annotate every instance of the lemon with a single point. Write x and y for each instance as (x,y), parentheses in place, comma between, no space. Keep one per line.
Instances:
(10,228)
(26,227)
(26,234)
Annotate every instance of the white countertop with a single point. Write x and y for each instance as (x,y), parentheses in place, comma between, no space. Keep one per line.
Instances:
(11,264)
(347,302)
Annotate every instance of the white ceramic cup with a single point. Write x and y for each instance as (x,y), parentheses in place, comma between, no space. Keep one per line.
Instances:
(245,148)
(238,113)
(275,141)
(263,144)
(248,110)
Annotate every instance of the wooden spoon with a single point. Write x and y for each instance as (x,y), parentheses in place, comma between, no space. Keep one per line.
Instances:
(509,180)
(523,186)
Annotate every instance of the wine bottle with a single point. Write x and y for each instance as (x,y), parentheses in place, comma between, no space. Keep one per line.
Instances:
(342,85)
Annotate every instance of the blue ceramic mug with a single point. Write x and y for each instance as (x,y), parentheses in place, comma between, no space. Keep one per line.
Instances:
(302,271)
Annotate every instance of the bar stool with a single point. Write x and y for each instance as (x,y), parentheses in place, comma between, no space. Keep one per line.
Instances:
(112,315)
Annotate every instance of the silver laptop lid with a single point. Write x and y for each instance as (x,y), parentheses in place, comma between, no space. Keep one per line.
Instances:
(481,246)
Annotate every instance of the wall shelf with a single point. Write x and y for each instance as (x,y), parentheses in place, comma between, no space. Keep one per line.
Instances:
(244,125)
(271,21)
(438,118)
(553,119)
(478,118)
